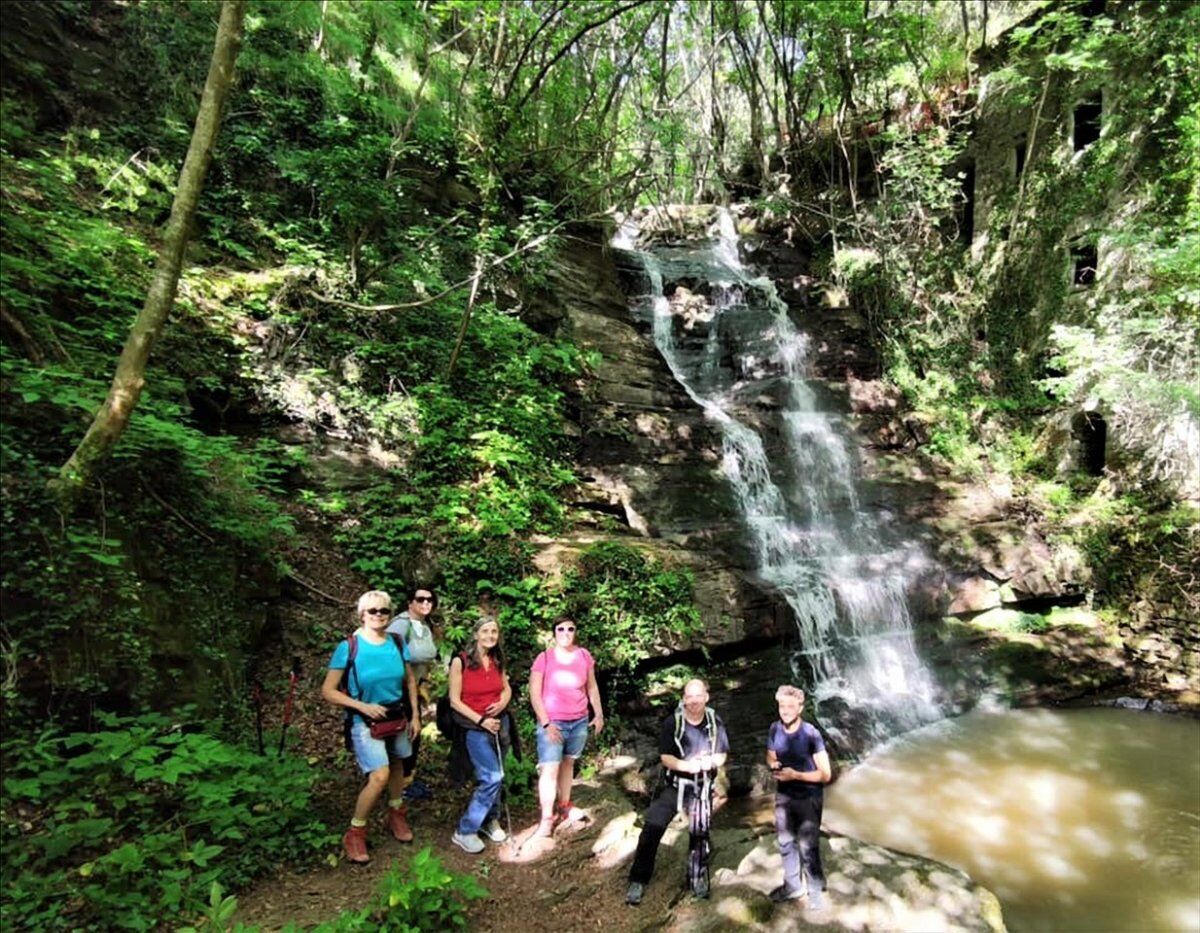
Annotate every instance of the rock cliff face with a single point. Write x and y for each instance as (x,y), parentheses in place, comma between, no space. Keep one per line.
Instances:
(649,462)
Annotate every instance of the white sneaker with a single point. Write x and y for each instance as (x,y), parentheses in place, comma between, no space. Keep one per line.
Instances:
(494,831)
(471,843)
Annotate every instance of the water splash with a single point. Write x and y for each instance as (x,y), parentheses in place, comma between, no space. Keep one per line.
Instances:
(745,367)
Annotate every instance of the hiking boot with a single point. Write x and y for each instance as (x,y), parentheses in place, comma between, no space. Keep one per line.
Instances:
(784,893)
(700,888)
(468,843)
(494,831)
(355,845)
(633,894)
(398,824)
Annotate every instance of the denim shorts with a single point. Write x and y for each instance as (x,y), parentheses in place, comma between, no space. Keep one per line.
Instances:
(373,754)
(574,733)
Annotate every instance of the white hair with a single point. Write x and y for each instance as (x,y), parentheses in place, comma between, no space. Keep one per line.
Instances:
(371,597)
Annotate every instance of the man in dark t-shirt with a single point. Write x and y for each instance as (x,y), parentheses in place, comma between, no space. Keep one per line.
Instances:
(797,758)
(692,745)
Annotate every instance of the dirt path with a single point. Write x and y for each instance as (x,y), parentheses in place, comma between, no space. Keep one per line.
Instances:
(577,884)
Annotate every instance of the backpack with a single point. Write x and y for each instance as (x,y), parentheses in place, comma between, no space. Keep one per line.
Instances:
(344,685)
(444,716)
(710,728)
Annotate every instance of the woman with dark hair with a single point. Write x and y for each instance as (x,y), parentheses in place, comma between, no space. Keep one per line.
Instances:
(479,694)
(369,677)
(561,683)
(414,627)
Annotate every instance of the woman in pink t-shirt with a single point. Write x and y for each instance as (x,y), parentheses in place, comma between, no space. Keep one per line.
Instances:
(561,683)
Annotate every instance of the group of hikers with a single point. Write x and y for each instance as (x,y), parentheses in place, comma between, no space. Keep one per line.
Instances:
(376,674)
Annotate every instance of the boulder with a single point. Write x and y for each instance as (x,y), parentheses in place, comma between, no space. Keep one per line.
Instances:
(1036,571)
(869,888)
(974,594)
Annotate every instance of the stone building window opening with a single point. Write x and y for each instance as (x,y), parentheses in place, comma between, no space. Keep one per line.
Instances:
(965,206)
(1090,432)
(1085,260)
(1086,121)
(1019,148)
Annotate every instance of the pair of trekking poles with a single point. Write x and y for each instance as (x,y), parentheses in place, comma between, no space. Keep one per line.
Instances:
(256,694)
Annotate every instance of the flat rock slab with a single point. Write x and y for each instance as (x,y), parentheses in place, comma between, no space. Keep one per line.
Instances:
(869,888)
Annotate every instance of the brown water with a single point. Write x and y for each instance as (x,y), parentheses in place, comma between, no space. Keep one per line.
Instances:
(1075,819)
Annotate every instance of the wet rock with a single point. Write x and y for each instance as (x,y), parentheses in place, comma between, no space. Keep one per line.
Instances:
(1037,571)
(869,888)
(872,396)
(693,311)
(974,594)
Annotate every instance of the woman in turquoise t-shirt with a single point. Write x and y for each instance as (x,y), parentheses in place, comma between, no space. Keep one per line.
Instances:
(374,686)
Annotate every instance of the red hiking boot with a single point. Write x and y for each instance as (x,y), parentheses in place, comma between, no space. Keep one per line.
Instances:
(355,844)
(398,824)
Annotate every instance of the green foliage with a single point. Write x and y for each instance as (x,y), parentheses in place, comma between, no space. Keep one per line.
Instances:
(114,560)
(422,895)
(1139,548)
(159,560)
(218,914)
(520,775)
(487,460)
(131,825)
(626,602)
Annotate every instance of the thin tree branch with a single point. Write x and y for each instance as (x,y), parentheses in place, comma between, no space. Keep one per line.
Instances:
(174,511)
(401,306)
(583,31)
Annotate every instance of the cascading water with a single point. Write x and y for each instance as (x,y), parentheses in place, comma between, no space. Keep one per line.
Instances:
(744,363)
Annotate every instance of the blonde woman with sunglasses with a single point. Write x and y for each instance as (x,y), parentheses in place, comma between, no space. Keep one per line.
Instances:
(369,676)
(562,682)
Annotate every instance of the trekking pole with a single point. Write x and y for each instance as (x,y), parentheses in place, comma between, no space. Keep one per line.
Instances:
(503,794)
(287,709)
(256,696)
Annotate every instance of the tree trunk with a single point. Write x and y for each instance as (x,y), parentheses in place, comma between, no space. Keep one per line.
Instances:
(113,416)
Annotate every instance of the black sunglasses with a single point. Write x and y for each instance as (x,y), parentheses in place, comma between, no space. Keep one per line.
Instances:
(422,599)
(378,611)
(564,628)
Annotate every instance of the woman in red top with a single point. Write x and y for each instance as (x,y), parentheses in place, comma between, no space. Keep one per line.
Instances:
(479,694)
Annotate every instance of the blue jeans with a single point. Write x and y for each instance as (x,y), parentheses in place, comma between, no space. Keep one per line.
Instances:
(489,776)
(798,826)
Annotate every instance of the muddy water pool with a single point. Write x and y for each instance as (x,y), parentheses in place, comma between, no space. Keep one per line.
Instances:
(1075,819)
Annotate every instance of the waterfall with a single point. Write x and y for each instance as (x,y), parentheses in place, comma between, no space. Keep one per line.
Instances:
(789,463)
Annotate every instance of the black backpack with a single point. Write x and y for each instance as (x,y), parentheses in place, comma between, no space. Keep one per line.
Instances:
(445,712)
